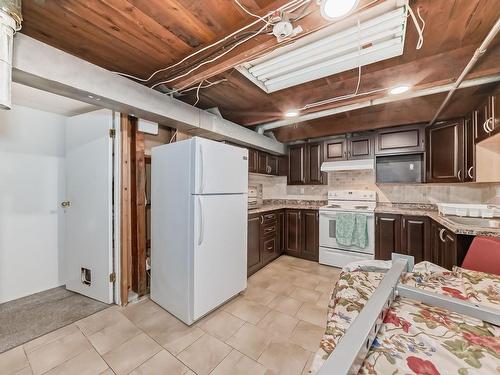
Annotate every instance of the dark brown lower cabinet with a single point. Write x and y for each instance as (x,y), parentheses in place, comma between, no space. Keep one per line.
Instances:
(387,235)
(420,237)
(302,234)
(265,239)
(254,256)
(415,238)
(409,235)
(310,235)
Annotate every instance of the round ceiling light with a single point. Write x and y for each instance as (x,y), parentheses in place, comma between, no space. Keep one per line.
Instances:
(399,89)
(335,9)
(292,113)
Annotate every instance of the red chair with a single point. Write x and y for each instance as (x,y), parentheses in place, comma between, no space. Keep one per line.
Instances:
(483,255)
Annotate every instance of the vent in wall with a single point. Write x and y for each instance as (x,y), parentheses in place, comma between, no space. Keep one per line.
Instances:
(373,35)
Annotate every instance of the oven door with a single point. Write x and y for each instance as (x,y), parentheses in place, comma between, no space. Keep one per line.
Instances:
(328,227)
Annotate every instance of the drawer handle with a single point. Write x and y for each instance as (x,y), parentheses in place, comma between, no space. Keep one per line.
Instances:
(441,232)
(271,229)
(270,248)
(270,216)
(469,172)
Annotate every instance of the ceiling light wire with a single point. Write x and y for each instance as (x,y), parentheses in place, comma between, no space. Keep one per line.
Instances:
(198,93)
(283,7)
(420,29)
(210,60)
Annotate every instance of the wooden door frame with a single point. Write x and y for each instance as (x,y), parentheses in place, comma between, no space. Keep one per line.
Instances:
(133,276)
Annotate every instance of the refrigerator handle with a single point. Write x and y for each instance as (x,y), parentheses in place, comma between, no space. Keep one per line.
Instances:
(200,233)
(202,182)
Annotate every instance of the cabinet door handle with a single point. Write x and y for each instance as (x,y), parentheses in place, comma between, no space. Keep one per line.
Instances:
(486,126)
(261,219)
(459,174)
(404,223)
(469,172)
(441,232)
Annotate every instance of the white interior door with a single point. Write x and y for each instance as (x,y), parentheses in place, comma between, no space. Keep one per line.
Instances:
(220,250)
(88,255)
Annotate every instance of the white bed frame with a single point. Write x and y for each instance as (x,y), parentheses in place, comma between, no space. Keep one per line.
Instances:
(351,351)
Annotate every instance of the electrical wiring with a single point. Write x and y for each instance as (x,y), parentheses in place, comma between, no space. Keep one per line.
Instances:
(182,92)
(210,60)
(248,12)
(175,134)
(283,7)
(198,93)
(420,29)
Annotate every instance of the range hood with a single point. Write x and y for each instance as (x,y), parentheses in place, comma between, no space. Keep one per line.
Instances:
(348,165)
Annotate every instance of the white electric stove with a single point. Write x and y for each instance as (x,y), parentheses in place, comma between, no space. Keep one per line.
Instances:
(358,201)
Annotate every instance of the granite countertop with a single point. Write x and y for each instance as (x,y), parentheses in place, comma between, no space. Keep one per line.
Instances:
(279,204)
(431,211)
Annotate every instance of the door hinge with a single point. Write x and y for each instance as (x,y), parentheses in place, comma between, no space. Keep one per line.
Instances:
(112,277)
(112,133)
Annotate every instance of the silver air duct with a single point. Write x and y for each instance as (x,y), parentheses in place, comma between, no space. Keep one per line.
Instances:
(10,22)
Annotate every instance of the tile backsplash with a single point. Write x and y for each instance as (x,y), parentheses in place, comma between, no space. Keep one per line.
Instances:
(276,188)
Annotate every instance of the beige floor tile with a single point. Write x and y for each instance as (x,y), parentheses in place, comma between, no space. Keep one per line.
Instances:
(307,282)
(286,305)
(51,355)
(259,295)
(332,273)
(107,372)
(279,286)
(250,340)
(161,363)
(24,371)
(308,365)
(313,313)
(302,294)
(137,311)
(221,324)
(278,324)
(237,363)
(13,361)
(113,335)
(247,310)
(85,363)
(284,357)
(205,354)
(325,287)
(170,332)
(131,354)
(50,337)
(324,300)
(307,335)
(100,320)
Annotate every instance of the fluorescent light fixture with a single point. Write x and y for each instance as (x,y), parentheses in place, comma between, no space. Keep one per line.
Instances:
(335,9)
(399,89)
(339,47)
(292,113)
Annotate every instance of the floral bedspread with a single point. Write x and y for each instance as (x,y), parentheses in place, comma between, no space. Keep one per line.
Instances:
(416,338)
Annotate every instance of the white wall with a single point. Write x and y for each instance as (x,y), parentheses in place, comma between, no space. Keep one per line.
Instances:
(31,189)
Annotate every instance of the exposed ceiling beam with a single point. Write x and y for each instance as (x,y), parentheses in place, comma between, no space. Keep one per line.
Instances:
(38,65)
(372,102)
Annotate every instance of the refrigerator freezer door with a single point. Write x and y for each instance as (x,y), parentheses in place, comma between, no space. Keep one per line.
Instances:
(219,168)
(220,250)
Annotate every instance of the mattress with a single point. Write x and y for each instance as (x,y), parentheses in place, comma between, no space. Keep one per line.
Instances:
(416,338)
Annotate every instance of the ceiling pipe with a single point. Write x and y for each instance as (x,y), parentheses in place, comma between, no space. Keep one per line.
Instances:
(477,55)
(368,103)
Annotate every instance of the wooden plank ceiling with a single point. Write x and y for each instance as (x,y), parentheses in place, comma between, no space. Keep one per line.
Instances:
(140,36)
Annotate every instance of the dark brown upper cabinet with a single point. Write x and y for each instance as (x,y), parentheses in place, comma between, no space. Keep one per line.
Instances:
(445,152)
(360,147)
(335,149)
(264,163)
(253,161)
(304,164)
(313,164)
(401,139)
(470,149)
(487,118)
(296,164)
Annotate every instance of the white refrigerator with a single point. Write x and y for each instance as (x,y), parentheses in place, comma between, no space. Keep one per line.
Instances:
(198,226)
